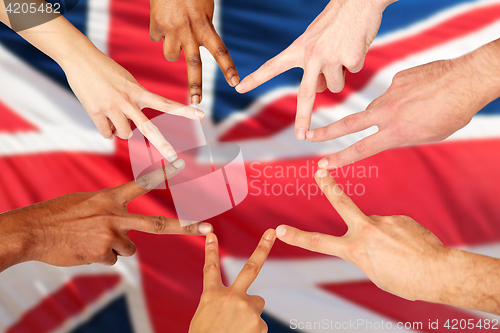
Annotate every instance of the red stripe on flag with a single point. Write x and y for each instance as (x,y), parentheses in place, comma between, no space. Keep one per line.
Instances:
(280,113)
(68,301)
(12,122)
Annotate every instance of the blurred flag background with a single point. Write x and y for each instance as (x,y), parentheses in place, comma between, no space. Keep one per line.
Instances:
(50,147)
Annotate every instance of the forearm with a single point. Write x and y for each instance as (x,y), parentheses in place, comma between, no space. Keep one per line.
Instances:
(57,38)
(482,68)
(470,281)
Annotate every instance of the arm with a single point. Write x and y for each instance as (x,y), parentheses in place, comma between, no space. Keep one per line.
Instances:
(85,228)
(336,41)
(187,25)
(424,104)
(230,309)
(108,92)
(402,257)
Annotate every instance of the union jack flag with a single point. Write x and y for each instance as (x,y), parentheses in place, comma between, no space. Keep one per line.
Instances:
(50,147)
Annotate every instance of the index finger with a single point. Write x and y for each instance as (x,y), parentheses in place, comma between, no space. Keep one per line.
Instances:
(211,270)
(305,101)
(346,208)
(219,51)
(142,185)
(153,134)
(252,267)
(271,68)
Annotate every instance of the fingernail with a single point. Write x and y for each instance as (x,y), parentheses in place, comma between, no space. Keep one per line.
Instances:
(199,113)
(321,173)
(171,156)
(310,135)
(205,228)
(269,235)
(301,133)
(195,99)
(323,163)
(179,164)
(235,80)
(130,135)
(281,231)
(240,87)
(211,238)
(111,137)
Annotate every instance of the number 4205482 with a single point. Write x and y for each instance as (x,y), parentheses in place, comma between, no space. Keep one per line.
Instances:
(470,324)
(32,8)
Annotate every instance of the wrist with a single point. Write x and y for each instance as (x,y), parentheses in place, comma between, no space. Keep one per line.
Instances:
(75,53)
(379,6)
(14,245)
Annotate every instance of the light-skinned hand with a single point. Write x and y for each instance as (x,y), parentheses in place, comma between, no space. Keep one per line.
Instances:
(230,309)
(112,98)
(395,252)
(402,257)
(336,41)
(424,104)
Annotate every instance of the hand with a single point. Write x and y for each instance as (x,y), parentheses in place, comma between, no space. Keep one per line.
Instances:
(187,24)
(85,228)
(424,104)
(336,41)
(112,97)
(231,309)
(399,255)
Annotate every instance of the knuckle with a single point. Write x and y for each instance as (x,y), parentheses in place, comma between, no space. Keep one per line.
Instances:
(343,200)
(230,69)
(102,255)
(350,121)
(360,148)
(315,240)
(195,86)
(210,266)
(131,249)
(221,51)
(106,132)
(143,181)
(354,62)
(194,60)
(165,147)
(192,229)
(94,111)
(149,128)
(251,267)
(306,93)
(241,304)
(262,302)
(355,252)
(269,65)
(159,224)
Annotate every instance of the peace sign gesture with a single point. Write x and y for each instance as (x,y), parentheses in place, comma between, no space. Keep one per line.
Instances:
(231,309)
(398,254)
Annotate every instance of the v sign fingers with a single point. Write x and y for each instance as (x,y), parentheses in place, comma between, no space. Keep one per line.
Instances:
(211,271)
(253,266)
(346,208)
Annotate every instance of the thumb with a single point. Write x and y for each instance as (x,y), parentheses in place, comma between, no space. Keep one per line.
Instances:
(312,241)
